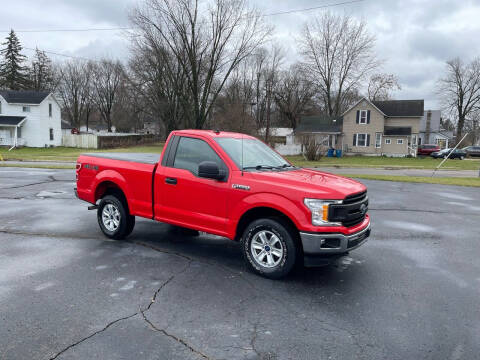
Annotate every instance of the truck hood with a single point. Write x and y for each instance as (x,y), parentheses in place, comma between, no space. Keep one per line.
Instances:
(312,183)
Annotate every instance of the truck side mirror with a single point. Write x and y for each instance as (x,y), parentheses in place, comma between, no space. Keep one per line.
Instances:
(210,170)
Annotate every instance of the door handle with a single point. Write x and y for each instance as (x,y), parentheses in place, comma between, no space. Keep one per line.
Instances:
(172,181)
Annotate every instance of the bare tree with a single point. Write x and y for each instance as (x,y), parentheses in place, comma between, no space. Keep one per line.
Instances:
(380,86)
(293,94)
(41,73)
(108,76)
(160,81)
(339,53)
(208,43)
(460,90)
(74,89)
(271,75)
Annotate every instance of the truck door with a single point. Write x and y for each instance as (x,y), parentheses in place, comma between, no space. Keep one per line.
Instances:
(184,198)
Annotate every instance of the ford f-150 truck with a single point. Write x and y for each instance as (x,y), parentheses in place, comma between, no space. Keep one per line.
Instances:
(235,186)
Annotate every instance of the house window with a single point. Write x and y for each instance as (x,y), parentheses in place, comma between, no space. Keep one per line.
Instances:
(378,140)
(19,132)
(388,141)
(399,141)
(363,116)
(50,110)
(362,140)
(51,134)
(26,109)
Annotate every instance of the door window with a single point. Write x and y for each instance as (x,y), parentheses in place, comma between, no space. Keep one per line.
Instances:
(191,152)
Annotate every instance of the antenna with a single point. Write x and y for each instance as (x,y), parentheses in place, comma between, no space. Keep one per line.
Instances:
(241,161)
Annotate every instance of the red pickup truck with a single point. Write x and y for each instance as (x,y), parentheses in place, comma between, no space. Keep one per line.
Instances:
(232,185)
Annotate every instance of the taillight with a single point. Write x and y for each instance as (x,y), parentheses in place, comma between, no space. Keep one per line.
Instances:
(79,166)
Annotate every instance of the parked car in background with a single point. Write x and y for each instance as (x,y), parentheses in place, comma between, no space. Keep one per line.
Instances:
(472,150)
(427,149)
(454,154)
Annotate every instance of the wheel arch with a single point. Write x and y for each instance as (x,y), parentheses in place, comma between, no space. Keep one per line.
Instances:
(261,212)
(108,187)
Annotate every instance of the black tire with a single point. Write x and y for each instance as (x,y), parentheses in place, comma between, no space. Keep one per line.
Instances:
(123,223)
(462,157)
(130,224)
(285,235)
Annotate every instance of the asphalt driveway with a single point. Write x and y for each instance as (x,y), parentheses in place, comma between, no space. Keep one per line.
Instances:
(66,292)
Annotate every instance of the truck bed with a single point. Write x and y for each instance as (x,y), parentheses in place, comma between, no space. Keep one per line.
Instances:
(143,158)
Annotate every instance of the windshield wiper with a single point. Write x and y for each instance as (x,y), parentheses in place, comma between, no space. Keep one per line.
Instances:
(259,167)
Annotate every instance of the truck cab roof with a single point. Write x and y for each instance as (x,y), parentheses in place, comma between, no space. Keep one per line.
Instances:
(212,133)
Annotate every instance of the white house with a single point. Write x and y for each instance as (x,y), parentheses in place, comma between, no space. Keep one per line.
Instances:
(431,131)
(29,118)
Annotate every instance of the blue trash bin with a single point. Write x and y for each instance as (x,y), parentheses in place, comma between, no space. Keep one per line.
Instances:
(339,153)
(330,152)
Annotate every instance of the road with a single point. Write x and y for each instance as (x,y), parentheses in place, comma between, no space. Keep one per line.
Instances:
(66,292)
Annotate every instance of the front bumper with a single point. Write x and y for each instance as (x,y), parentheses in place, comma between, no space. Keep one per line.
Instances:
(332,243)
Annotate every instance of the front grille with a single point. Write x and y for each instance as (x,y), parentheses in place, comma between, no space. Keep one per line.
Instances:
(351,199)
(350,213)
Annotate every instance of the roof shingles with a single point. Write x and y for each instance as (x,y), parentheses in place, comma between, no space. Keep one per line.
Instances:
(10,120)
(24,96)
(400,108)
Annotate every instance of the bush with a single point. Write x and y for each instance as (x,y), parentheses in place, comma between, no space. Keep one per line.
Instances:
(311,150)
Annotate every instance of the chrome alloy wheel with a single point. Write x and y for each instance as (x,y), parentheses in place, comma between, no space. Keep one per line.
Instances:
(111,217)
(266,248)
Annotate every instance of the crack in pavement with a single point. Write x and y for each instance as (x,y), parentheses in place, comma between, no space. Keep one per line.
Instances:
(326,325)
(92,335)
(50,177)
(143,313)
(163,331)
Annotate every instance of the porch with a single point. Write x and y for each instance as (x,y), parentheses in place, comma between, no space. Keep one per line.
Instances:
(11,131)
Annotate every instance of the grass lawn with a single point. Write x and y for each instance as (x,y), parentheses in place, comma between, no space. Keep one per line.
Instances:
(384,162)
(68,154)
(61,154)
(418,179)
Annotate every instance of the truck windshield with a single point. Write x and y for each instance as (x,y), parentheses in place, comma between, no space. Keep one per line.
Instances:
(256,155)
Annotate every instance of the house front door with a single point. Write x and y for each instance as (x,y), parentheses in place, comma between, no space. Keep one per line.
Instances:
(5,137)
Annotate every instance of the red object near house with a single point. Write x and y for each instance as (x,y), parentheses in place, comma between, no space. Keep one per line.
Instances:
(427,149)
(235,186)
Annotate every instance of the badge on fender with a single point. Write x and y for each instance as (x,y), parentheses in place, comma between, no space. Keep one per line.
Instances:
(241,187)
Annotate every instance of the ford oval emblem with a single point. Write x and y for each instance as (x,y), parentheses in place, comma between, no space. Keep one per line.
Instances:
(363,208)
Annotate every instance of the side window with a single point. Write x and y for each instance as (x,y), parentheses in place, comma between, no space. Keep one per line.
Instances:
(191,152)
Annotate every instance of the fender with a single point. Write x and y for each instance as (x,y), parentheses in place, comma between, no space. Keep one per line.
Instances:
(114,177)
(269,200)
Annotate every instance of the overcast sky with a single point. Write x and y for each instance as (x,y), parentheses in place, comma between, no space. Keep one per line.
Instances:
(414,37)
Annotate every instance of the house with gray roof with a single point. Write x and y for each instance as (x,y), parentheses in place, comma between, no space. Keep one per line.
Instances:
(369,128)
(29,118)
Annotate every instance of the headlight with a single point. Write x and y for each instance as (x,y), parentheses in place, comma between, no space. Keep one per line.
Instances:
(319,209)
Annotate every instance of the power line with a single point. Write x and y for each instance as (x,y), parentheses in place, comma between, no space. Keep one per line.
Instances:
(58,54)
(69,30)
(314,8)
(131,28)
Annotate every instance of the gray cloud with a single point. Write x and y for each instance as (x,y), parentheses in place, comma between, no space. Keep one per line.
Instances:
(414,37)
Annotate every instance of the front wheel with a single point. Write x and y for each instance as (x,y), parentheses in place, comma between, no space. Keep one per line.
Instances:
(462,157)
(269,248)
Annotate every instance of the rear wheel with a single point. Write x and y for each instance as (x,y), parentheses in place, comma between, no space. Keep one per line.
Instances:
(269,248)
(462,157)
(114,219)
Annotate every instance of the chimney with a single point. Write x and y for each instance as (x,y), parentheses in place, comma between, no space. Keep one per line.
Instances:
(428,124)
